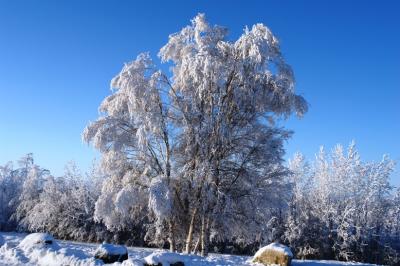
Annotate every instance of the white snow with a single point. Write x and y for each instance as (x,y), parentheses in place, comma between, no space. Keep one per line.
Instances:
(41,249)
(82,254)
(166,258)
(276,247)
(163,257)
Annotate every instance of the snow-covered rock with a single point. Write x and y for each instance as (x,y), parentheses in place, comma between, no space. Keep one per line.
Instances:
(1,241)
(109,253)
(274,254)
(165,259)
(38,240)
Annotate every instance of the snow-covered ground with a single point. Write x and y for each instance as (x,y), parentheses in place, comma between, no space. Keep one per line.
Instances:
(75,253)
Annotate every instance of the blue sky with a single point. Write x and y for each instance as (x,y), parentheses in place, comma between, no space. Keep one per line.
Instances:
(57,59)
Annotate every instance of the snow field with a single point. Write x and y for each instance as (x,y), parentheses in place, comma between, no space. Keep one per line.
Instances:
(17,252)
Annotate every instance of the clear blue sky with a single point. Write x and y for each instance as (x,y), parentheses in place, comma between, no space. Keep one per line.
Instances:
(57,58)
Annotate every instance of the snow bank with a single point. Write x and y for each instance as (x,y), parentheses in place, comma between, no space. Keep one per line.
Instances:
(42,249)
(11,256)
(61,257)
(275,247)
(167,258)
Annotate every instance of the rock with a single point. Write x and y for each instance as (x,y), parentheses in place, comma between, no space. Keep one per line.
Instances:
(1,241)
(164,259)
(274,254)
(38,240)
(109,253)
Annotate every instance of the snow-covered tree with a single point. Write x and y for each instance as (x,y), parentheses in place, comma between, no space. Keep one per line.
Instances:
(29,197)
(65,206)
(10,187)
(343,211)
(196,153)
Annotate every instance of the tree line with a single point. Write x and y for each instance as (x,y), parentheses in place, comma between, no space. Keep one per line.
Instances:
(335,207)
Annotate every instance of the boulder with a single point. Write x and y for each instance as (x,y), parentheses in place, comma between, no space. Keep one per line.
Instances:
(38,240)
(164,259)
(274,254)
(109,253)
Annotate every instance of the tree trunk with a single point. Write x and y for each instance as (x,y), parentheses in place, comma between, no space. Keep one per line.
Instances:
(204,235)
(171,237)
(190,232)
(196,246)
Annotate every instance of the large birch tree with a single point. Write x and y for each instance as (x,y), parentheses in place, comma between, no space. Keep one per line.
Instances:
(196,154)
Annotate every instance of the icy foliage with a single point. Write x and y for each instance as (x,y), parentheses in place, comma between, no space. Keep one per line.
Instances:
(160,201)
